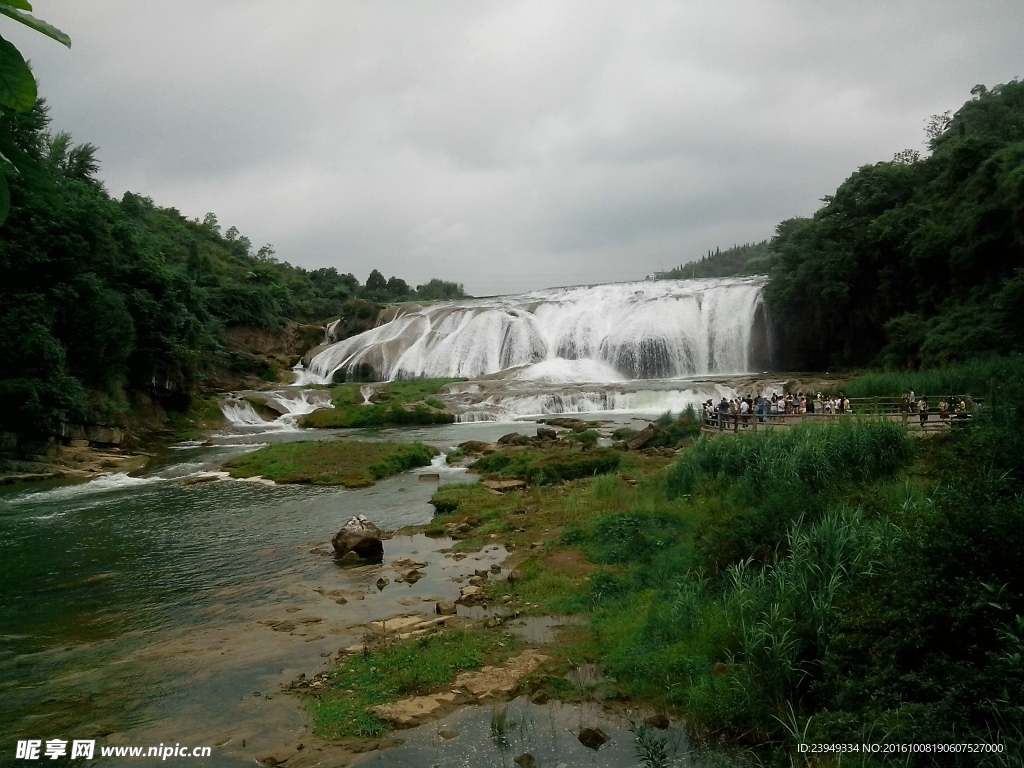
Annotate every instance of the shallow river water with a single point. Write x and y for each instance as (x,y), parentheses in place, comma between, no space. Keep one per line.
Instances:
(139,611)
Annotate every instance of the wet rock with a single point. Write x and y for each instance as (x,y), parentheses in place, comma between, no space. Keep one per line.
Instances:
(593,738)
(360,536)
(477,581)
(412,575)
(200,479)
(641,438)
(382,582)
(470,595)
(513,576)
(525,761)
(507,439)
(495,568)
(481,572)
(546,433)
(445,609)
(447,735)
(659,721)
(430,477)
(539,698)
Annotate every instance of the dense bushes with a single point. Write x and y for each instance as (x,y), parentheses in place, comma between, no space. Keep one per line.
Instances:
(842,587)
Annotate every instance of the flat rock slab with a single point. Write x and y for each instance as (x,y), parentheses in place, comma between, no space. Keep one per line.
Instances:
(484,685)
(504,485)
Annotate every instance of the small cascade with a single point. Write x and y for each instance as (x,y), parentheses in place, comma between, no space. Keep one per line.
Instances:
(240,413)
(367,393)
(289,404)
(601,333)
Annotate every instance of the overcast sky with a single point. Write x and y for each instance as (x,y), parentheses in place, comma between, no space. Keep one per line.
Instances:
(507,145)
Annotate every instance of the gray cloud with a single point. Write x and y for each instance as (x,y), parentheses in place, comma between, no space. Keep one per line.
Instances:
(507,145)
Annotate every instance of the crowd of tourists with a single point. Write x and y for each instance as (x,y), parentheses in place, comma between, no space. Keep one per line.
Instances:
(741,410)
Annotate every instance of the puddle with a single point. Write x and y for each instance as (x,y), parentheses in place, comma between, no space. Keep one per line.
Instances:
(485,736)
(541,629)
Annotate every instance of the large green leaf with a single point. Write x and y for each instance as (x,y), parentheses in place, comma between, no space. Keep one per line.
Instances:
(17,86)
(11,11)
(22,4)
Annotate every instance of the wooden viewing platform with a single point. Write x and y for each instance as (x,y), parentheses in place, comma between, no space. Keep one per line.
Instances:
(866,408)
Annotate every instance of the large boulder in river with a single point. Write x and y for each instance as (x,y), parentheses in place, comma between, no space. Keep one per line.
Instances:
(641,438)
(360,536)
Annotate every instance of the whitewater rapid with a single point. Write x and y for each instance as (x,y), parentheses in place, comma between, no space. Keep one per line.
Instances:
(601,333)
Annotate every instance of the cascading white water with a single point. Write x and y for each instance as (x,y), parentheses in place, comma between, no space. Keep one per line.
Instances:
(289,404)
(600,333)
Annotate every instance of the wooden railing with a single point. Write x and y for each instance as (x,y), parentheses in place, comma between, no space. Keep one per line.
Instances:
(860,408)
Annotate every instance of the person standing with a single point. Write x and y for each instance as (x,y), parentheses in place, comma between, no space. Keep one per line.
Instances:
(922,409)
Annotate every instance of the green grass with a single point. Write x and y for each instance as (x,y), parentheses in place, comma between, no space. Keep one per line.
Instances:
(403,402)
(410,668)
(977,379)
(546,467)
(351,463)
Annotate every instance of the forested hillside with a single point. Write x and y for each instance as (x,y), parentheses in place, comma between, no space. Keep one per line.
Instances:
(916,261)
(105,298)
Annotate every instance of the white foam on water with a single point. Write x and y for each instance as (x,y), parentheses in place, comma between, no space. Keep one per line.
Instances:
(102,484)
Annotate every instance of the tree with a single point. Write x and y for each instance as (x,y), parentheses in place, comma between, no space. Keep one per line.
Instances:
(18,92)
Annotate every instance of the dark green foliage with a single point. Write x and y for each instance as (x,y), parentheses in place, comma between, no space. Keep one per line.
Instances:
(674,430)
(914,261)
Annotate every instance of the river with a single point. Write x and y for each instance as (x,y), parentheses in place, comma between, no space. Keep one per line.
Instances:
(138,610)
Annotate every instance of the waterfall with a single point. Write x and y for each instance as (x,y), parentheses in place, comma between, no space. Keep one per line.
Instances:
(600,333)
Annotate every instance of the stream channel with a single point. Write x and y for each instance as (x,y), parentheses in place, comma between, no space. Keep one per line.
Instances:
(137,610)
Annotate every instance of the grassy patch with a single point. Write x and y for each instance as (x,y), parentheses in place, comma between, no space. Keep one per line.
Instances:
(386,674)
(396,403)
(546,467)
(351,463)
(977,379)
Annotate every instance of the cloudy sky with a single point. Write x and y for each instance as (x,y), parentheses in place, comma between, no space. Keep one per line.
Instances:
(507,145)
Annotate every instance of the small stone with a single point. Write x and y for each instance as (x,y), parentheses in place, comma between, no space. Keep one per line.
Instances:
(513,576)
(495,568)
(458,556)
(477,581)
(593,738)
(659,721)
(539,698)
(482,573)
(506,598)
(382,582)
(525,761)
(447,735)
(445,609)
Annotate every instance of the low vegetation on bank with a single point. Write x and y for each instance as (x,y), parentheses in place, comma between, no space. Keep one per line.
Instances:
(392,671)
(351,463)
(397,403)
(826,583)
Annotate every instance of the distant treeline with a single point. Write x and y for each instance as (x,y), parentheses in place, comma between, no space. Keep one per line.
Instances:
(916,261)
(104,297)
(747,259)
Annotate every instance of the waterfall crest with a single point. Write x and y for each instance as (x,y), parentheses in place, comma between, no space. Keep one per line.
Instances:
(600,333)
